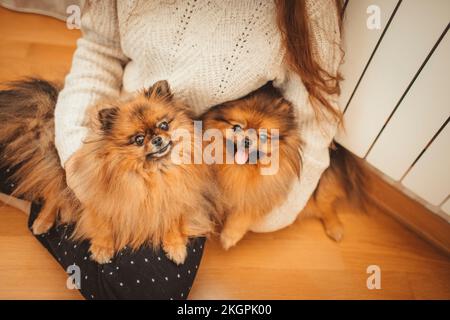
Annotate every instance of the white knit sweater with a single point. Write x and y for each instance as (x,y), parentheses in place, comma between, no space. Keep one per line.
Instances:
(210,52)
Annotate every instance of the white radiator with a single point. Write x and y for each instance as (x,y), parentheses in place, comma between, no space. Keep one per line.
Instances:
(396,93)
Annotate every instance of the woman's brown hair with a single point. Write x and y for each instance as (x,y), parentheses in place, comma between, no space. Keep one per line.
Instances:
(294,24)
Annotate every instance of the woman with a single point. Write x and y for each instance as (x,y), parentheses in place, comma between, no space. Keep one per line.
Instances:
(210,52)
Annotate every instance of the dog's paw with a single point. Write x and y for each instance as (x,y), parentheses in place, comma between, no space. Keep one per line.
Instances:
(41,226)
(101,254)
(176,252)
(229,239)
(335,232)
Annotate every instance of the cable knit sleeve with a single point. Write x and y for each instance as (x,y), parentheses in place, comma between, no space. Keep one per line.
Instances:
(316,136)
(96,72)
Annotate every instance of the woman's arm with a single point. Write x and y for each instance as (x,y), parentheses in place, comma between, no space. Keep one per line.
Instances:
(316,134)
(97,69)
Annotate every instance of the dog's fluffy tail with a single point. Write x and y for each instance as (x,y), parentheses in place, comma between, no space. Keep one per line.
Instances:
(27,136)
(351,175)
(25,104)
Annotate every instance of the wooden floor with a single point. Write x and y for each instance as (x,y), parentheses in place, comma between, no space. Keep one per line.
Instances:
(299,262)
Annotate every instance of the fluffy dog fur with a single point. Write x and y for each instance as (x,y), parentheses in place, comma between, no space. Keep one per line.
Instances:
(250,195)
(345,179)
(128,190)
(27,145)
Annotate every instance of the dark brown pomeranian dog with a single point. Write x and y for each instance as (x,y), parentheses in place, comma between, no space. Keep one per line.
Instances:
(263,125)
(128,190)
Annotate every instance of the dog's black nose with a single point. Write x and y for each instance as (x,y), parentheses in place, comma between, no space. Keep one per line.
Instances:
(157,141)
(247,142)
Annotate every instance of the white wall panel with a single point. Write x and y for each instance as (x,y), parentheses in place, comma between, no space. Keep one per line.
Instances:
(359,42)
(420,115)
(430,176)
(405,46)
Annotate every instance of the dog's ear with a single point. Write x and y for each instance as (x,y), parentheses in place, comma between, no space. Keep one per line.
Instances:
(283,106)
(159,89)
(107,117)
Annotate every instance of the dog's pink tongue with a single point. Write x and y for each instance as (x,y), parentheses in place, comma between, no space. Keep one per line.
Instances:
(241,156)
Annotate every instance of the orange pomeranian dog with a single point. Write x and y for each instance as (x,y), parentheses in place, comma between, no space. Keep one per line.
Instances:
(128,190)
(262,141)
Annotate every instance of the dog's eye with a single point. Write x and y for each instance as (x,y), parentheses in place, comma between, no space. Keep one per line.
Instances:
(164,126)
(237,128)
(139,139)
(263,137)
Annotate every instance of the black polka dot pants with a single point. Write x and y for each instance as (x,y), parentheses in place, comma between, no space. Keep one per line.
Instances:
(142,274)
